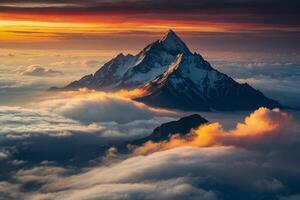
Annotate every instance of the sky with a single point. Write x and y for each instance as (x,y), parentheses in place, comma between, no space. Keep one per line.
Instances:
(105,24)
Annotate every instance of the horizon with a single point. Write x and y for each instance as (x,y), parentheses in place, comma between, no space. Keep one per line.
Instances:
(232,63)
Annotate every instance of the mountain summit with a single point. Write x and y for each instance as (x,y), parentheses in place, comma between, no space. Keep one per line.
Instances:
(173,43)
(128,72)
(174,77)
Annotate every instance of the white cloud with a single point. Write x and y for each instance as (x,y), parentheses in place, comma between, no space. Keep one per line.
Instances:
(3,154)
(178,162)
(19,123)
(183,172)
(37,70)
(163,175)
(93,63)
(90,106)
(165,190)
(180,173)
(82,112)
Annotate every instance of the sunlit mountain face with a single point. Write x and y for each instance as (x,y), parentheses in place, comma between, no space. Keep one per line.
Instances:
(149,99)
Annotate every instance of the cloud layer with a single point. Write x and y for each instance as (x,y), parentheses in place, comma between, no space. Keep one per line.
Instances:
(71,128)
(91,106)
(262,127)
(254,160)
(37,70)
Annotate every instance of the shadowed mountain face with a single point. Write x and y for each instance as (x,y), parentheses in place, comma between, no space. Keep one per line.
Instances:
(175,78)
(165,131)
(181,127)
(191,83)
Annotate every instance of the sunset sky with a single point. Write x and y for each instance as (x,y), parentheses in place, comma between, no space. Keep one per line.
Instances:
(69,35)
(108,24)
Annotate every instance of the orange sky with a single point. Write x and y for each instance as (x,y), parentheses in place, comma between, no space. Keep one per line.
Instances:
(36,27)
(68,22)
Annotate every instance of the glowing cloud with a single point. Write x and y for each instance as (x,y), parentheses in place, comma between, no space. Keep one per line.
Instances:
(262,126)
(135,93)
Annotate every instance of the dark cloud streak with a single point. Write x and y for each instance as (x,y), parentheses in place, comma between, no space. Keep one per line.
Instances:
(277,12)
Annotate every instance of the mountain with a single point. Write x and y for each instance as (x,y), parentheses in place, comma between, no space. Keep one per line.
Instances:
(190,83)
(180,127)
(128,72)
(174,77)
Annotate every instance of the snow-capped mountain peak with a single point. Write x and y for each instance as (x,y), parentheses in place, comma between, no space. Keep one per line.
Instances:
(174,78)
(173,43)
(190,83)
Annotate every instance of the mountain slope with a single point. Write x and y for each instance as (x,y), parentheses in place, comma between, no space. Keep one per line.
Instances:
(190,83)
(128,72)
(166,130)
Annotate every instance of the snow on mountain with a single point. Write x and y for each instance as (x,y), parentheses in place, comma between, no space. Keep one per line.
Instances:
(190,83)
(127,72)
(173,43)
(173,77)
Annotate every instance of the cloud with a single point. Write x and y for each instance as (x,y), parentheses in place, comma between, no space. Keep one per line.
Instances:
(178,173)
(37,5)
(170,189)
(261,69)
(32,135)
(91,106)
(84,163)
(151,167)
(5,187)
(65,113)
(3,154)
(291,197)
(268,185)
(133,129)
(18,122)
(133,178)
(93,63)
(37,70)
(264,147)
(262,127)
(133,6)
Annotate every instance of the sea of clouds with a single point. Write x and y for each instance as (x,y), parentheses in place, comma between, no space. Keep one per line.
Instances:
(65,147)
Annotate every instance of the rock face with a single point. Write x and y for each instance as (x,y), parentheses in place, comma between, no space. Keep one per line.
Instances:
(190,83)
(165,131)
(173,77)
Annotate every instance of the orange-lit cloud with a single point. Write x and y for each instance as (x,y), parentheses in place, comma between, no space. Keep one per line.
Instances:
(262,126)
(135,93)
